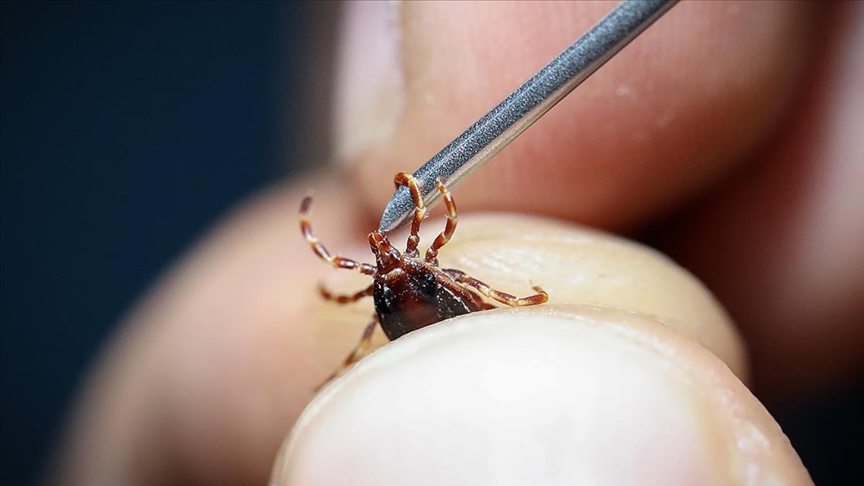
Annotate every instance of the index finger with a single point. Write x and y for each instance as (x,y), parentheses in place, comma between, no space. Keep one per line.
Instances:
(672,113)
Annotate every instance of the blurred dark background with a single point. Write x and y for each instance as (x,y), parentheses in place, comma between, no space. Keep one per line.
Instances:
(126,130)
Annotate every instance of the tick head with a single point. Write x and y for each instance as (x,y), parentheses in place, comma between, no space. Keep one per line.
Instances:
(386,257)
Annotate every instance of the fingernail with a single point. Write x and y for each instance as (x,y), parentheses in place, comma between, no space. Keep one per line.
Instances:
(524,398)
(369,91)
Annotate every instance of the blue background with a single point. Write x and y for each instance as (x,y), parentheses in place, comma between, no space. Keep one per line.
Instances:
(126,130)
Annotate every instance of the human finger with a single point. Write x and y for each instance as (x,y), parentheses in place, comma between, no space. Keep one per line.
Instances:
(559,394)
(209,370)
(781,243)
(671,114)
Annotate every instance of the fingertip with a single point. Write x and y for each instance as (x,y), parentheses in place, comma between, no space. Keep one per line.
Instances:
(566,394)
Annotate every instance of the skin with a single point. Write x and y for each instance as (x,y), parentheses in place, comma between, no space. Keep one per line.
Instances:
(736,148)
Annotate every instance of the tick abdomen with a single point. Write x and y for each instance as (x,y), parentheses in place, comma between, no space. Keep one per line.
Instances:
(415,295)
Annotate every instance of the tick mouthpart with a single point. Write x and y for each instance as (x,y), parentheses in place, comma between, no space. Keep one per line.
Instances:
(386,256)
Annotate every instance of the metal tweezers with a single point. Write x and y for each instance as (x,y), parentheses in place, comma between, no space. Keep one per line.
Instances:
(527,104)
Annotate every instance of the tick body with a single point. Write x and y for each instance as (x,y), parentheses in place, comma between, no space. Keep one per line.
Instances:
(411,292)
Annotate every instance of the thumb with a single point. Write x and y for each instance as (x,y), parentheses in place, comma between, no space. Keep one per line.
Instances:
(630,374)
(561,394)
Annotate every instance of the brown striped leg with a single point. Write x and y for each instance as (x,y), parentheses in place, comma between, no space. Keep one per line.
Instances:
(319,249)
(539,298)
(358,352)
(478,299)
(449,229)
(407,180)
(346,299)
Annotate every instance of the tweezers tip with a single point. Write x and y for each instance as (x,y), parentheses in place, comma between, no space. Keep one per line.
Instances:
(395,214)
(385,225)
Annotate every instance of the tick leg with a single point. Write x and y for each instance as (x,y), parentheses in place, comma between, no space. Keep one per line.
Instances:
(346,299)
(358,352)
(319,249)
(407,180)
(539,298)
(449,229)
(479,300)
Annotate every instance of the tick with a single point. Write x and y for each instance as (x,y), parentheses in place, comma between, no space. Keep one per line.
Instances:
(411,292)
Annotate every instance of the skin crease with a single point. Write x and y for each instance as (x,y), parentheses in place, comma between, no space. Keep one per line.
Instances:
(211,369)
